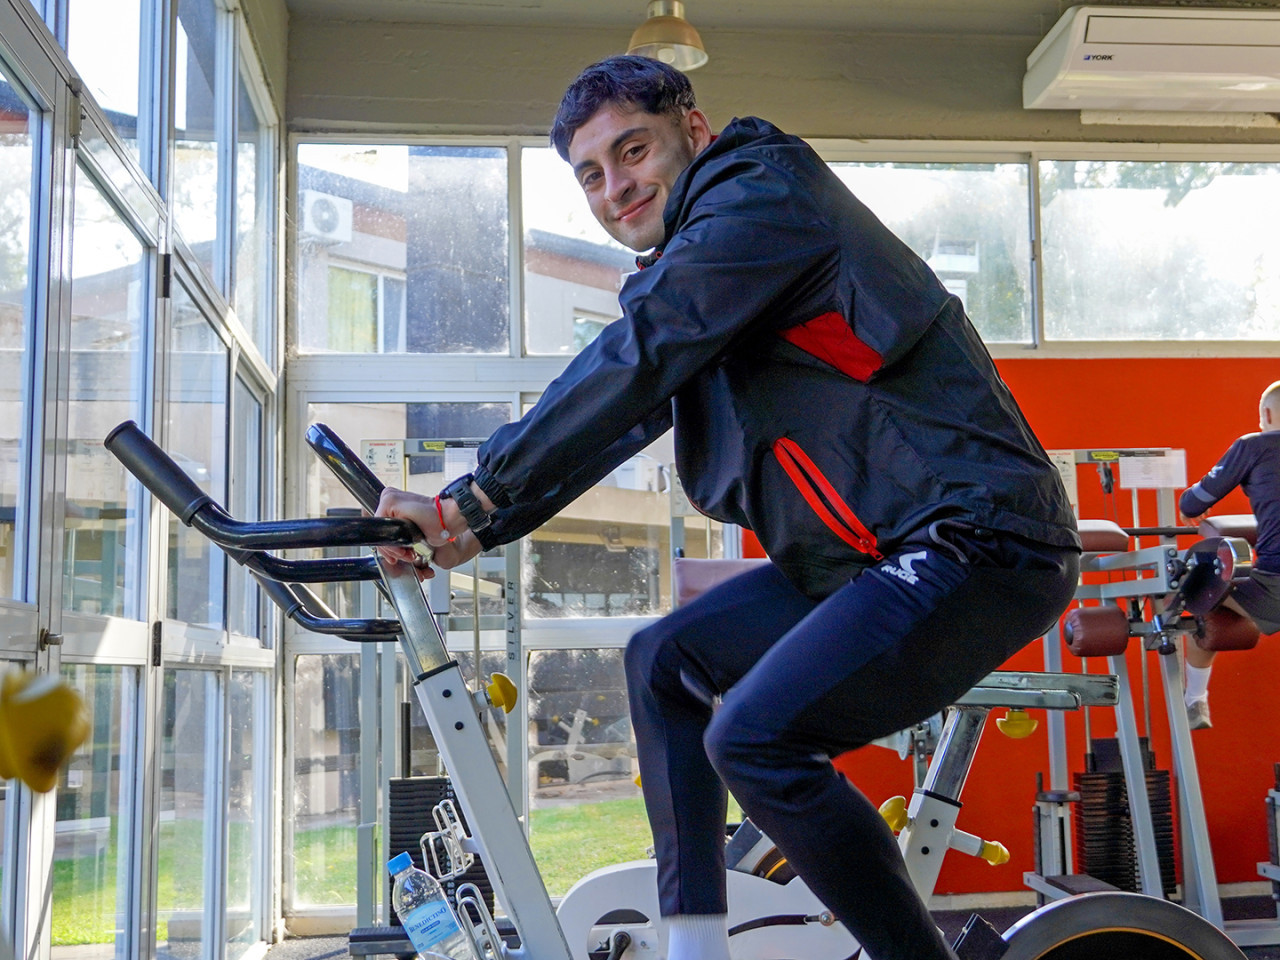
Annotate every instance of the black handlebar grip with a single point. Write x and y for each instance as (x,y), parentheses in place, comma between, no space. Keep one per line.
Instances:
(343,461)
(156,471)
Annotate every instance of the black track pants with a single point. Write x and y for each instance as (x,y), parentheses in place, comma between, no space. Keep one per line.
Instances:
(801,681)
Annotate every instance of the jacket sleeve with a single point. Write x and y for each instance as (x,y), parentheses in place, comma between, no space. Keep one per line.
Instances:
(517,519)
(1227,474)
(731,271)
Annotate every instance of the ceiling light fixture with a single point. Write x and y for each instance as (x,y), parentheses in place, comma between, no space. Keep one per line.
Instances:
(667,36)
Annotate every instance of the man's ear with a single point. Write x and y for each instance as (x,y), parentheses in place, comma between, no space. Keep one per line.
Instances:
(698,129)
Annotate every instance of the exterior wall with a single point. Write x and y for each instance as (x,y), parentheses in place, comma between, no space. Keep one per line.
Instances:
(456,79)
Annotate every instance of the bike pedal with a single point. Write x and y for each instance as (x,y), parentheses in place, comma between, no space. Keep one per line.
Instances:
(978,940)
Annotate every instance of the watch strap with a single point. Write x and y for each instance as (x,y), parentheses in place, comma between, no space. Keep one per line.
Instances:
(459,491)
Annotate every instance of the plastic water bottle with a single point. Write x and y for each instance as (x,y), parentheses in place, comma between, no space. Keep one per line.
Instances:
(423,908)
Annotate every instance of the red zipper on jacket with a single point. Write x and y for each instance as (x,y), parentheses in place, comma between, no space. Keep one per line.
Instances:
(822,497)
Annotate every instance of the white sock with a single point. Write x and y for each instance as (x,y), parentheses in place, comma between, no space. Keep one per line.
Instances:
(697,936)
(1197,683)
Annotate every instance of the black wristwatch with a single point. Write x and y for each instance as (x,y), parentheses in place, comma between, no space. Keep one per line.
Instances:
(459,491)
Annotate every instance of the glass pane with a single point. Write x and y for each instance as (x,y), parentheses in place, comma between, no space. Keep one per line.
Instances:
(16,166)
(573,270)
(585,810)
(198,371)
(1161,251)
(108,311)
(188,764)
(92,854)
(971,224)
(608,553)
(196,108)
(434,218)
(244,596)
(104,43)
(246,857)
(326,788)
(252,220)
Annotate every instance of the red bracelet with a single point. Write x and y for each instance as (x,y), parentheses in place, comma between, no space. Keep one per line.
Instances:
(440,514)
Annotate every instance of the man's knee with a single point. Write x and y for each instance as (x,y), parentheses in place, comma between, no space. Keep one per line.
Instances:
(734,745)
(641,653)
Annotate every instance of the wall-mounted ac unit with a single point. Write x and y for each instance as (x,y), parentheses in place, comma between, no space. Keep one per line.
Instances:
(1157,58)
(325,217)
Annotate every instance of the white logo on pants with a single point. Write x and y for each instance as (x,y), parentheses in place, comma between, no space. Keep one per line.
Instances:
(905,570)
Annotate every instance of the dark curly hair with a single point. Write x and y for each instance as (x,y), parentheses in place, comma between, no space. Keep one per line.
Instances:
(643,83)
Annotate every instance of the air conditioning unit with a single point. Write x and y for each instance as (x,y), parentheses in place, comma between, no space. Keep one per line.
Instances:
(325,217)
(1157,58)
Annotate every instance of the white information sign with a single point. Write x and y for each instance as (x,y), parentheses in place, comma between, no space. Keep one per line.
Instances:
(386,459)
(1154,470)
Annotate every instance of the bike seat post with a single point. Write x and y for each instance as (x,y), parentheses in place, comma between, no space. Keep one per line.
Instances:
(953,757)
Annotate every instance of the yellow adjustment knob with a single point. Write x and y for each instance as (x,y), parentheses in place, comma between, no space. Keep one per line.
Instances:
(1017,724)
(894,811)
(994,852)
(502,692)
(42,721)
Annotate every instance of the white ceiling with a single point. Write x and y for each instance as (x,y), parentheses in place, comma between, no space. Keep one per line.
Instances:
(1030,18)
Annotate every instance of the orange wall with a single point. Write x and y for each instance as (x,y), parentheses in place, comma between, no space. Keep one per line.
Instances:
(1196,405)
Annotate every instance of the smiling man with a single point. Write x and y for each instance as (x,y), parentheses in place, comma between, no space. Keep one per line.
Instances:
(829,394)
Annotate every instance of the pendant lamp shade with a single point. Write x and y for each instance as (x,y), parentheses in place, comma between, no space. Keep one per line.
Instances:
(667,36)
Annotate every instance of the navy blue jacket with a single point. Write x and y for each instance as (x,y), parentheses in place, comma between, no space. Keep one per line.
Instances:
(827,392)
(1253,463)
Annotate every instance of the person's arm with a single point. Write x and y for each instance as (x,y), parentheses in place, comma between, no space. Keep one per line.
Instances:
(1225,476)
(723,278)
(514,521)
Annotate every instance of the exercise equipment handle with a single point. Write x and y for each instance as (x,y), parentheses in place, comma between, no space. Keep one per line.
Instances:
(346,464)
(167,481)
(156,471)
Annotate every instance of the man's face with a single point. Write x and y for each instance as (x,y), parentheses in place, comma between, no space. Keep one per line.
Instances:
(627,160)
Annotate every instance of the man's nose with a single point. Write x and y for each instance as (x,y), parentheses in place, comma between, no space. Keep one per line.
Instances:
(618,183)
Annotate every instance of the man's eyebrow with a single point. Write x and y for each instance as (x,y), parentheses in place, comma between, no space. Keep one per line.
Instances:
(618,141)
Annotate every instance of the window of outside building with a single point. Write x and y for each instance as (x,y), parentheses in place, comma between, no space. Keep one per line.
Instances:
(402,249)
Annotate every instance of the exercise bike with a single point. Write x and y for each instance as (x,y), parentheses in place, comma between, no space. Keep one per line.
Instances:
(612,913)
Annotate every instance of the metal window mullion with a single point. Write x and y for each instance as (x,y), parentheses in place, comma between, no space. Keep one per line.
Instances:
(1037,252)
(515,243)
(266,797)
(225,134)
(135,865)
(287,807)
(217,753)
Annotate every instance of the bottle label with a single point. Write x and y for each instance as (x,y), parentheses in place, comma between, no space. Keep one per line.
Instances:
(429,924)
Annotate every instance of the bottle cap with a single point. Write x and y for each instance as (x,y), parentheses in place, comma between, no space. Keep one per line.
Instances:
(399,862)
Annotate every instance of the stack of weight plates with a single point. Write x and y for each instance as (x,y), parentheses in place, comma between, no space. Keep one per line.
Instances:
(1104,829)
(410,802)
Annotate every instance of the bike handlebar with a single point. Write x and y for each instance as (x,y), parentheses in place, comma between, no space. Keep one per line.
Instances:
(349,468)
(177,491)
(156,471)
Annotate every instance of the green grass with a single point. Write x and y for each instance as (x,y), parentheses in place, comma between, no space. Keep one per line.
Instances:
(568,843)
(84,888)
